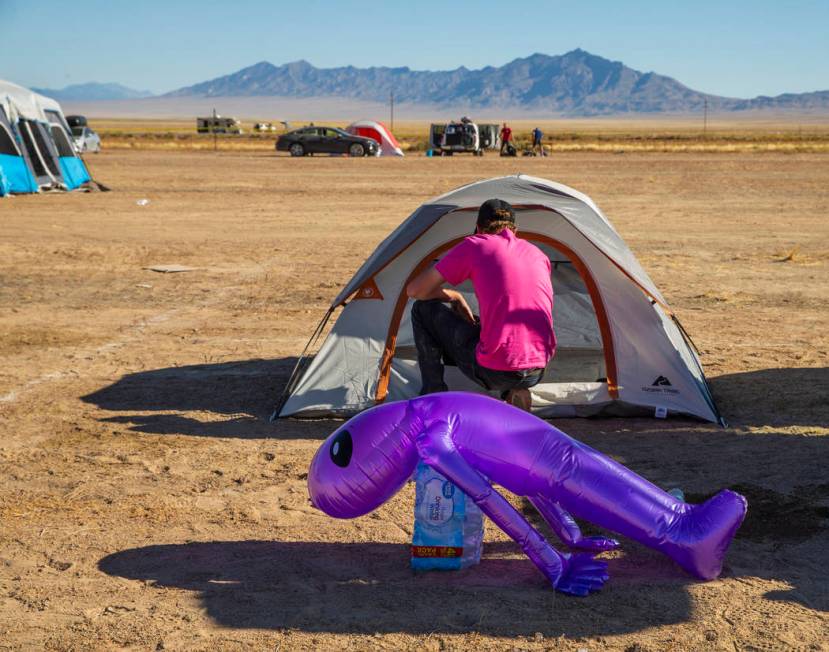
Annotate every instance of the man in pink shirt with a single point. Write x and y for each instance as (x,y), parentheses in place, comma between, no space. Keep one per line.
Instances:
(507,349)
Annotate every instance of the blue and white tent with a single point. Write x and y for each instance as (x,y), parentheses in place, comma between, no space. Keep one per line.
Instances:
(36,147)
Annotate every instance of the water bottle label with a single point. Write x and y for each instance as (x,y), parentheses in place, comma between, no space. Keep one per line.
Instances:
(448,527)
(437,508)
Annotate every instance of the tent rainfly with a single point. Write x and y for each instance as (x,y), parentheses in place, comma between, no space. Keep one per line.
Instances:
(621,350)
(379,132)
(36,147)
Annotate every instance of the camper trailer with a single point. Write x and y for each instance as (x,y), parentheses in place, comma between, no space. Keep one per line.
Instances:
(218,125)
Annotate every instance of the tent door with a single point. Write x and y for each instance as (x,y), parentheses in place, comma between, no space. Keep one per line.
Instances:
(15,174)
(44,165)
(585,354)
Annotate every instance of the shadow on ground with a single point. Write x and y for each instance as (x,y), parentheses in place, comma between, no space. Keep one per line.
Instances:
(244,392)
(247,390)
(368,587)
(796,396)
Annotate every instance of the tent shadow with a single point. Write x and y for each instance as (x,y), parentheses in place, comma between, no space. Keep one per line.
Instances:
(368,587)
(242,391)
(246,390)
(794,396)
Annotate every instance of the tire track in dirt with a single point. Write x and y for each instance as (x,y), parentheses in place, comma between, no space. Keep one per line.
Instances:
(139,330)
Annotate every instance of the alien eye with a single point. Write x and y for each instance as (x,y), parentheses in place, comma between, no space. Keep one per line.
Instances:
(341,449)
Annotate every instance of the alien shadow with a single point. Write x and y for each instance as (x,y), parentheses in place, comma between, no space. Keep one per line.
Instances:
(368,587)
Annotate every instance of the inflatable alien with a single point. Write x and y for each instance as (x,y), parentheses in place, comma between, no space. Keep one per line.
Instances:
(475,440)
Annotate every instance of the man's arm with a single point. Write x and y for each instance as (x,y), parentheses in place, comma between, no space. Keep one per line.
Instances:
(429,285)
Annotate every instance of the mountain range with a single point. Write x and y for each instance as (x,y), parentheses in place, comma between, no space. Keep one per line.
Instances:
(577,83)
(93,91)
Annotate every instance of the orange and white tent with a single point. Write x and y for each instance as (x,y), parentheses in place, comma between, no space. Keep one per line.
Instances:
(621,349)
(379,132)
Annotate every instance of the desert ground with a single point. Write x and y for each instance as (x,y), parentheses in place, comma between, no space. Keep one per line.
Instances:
(147,502)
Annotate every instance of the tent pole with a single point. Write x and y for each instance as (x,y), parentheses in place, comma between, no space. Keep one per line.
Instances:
(299,367)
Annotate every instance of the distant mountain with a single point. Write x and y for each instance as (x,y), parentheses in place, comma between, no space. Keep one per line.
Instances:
(575,83)
(93,91)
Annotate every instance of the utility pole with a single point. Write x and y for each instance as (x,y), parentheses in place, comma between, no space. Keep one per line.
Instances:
(215,135)
(705,120)
(391,108)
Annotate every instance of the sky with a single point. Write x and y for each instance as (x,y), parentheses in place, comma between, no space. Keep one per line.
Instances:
(736,48)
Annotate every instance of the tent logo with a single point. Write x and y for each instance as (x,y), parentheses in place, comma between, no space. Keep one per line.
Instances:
(660,386)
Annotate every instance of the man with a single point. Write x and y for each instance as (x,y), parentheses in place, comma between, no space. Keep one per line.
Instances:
(506,138)
(509,347)
(537,136)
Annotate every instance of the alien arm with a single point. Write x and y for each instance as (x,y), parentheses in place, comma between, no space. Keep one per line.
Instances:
(571,574)
(566,528)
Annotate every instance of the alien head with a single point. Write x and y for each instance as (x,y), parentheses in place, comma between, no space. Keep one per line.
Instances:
(363,463)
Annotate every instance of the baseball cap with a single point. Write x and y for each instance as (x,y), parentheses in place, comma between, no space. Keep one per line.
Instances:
(494,210)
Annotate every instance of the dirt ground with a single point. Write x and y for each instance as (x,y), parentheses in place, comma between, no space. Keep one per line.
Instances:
(147,502)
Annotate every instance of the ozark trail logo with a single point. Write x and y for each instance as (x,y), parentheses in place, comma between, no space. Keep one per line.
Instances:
(661,385)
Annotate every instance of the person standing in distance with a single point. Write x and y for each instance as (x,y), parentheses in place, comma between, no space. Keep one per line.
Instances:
(537,137)
(506,138)
(509,346)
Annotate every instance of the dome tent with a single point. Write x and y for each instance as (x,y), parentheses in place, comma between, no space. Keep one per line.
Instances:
(620,349)
(36,148)
(379,132)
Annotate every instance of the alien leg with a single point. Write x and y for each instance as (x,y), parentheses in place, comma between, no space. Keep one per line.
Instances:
(595,488)
(574,574)
(567,529)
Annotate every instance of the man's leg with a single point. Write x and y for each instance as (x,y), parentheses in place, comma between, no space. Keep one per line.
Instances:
(513,385)
(440,332)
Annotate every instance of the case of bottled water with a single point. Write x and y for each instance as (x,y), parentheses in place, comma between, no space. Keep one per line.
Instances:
(448,528)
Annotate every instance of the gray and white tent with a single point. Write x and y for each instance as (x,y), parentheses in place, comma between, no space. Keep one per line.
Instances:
(620,348)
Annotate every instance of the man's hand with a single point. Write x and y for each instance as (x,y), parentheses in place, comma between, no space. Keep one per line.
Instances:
(460,306)
(428,285)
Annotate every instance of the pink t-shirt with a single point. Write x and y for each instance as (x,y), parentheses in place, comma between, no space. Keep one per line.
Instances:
(515,297)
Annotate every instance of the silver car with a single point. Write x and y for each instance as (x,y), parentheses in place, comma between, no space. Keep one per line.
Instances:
(86,140)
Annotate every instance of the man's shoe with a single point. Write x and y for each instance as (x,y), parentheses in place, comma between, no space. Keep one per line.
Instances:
(520,398)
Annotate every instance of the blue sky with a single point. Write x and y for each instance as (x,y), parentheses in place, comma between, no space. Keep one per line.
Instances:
(737,48)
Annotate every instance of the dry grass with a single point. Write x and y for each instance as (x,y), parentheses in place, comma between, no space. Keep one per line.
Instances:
(607,136)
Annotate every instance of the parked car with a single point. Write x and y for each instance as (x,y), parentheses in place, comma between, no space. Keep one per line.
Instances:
(84,138)
(325,140)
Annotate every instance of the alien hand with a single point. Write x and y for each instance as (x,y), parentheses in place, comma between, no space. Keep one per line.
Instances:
(582,575)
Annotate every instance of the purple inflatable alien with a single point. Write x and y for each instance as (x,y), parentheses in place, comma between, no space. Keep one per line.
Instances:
(475,441)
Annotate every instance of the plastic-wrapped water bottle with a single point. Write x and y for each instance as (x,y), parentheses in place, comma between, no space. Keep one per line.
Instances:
(448,528)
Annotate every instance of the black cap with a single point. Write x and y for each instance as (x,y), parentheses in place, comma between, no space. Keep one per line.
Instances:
(495,210)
